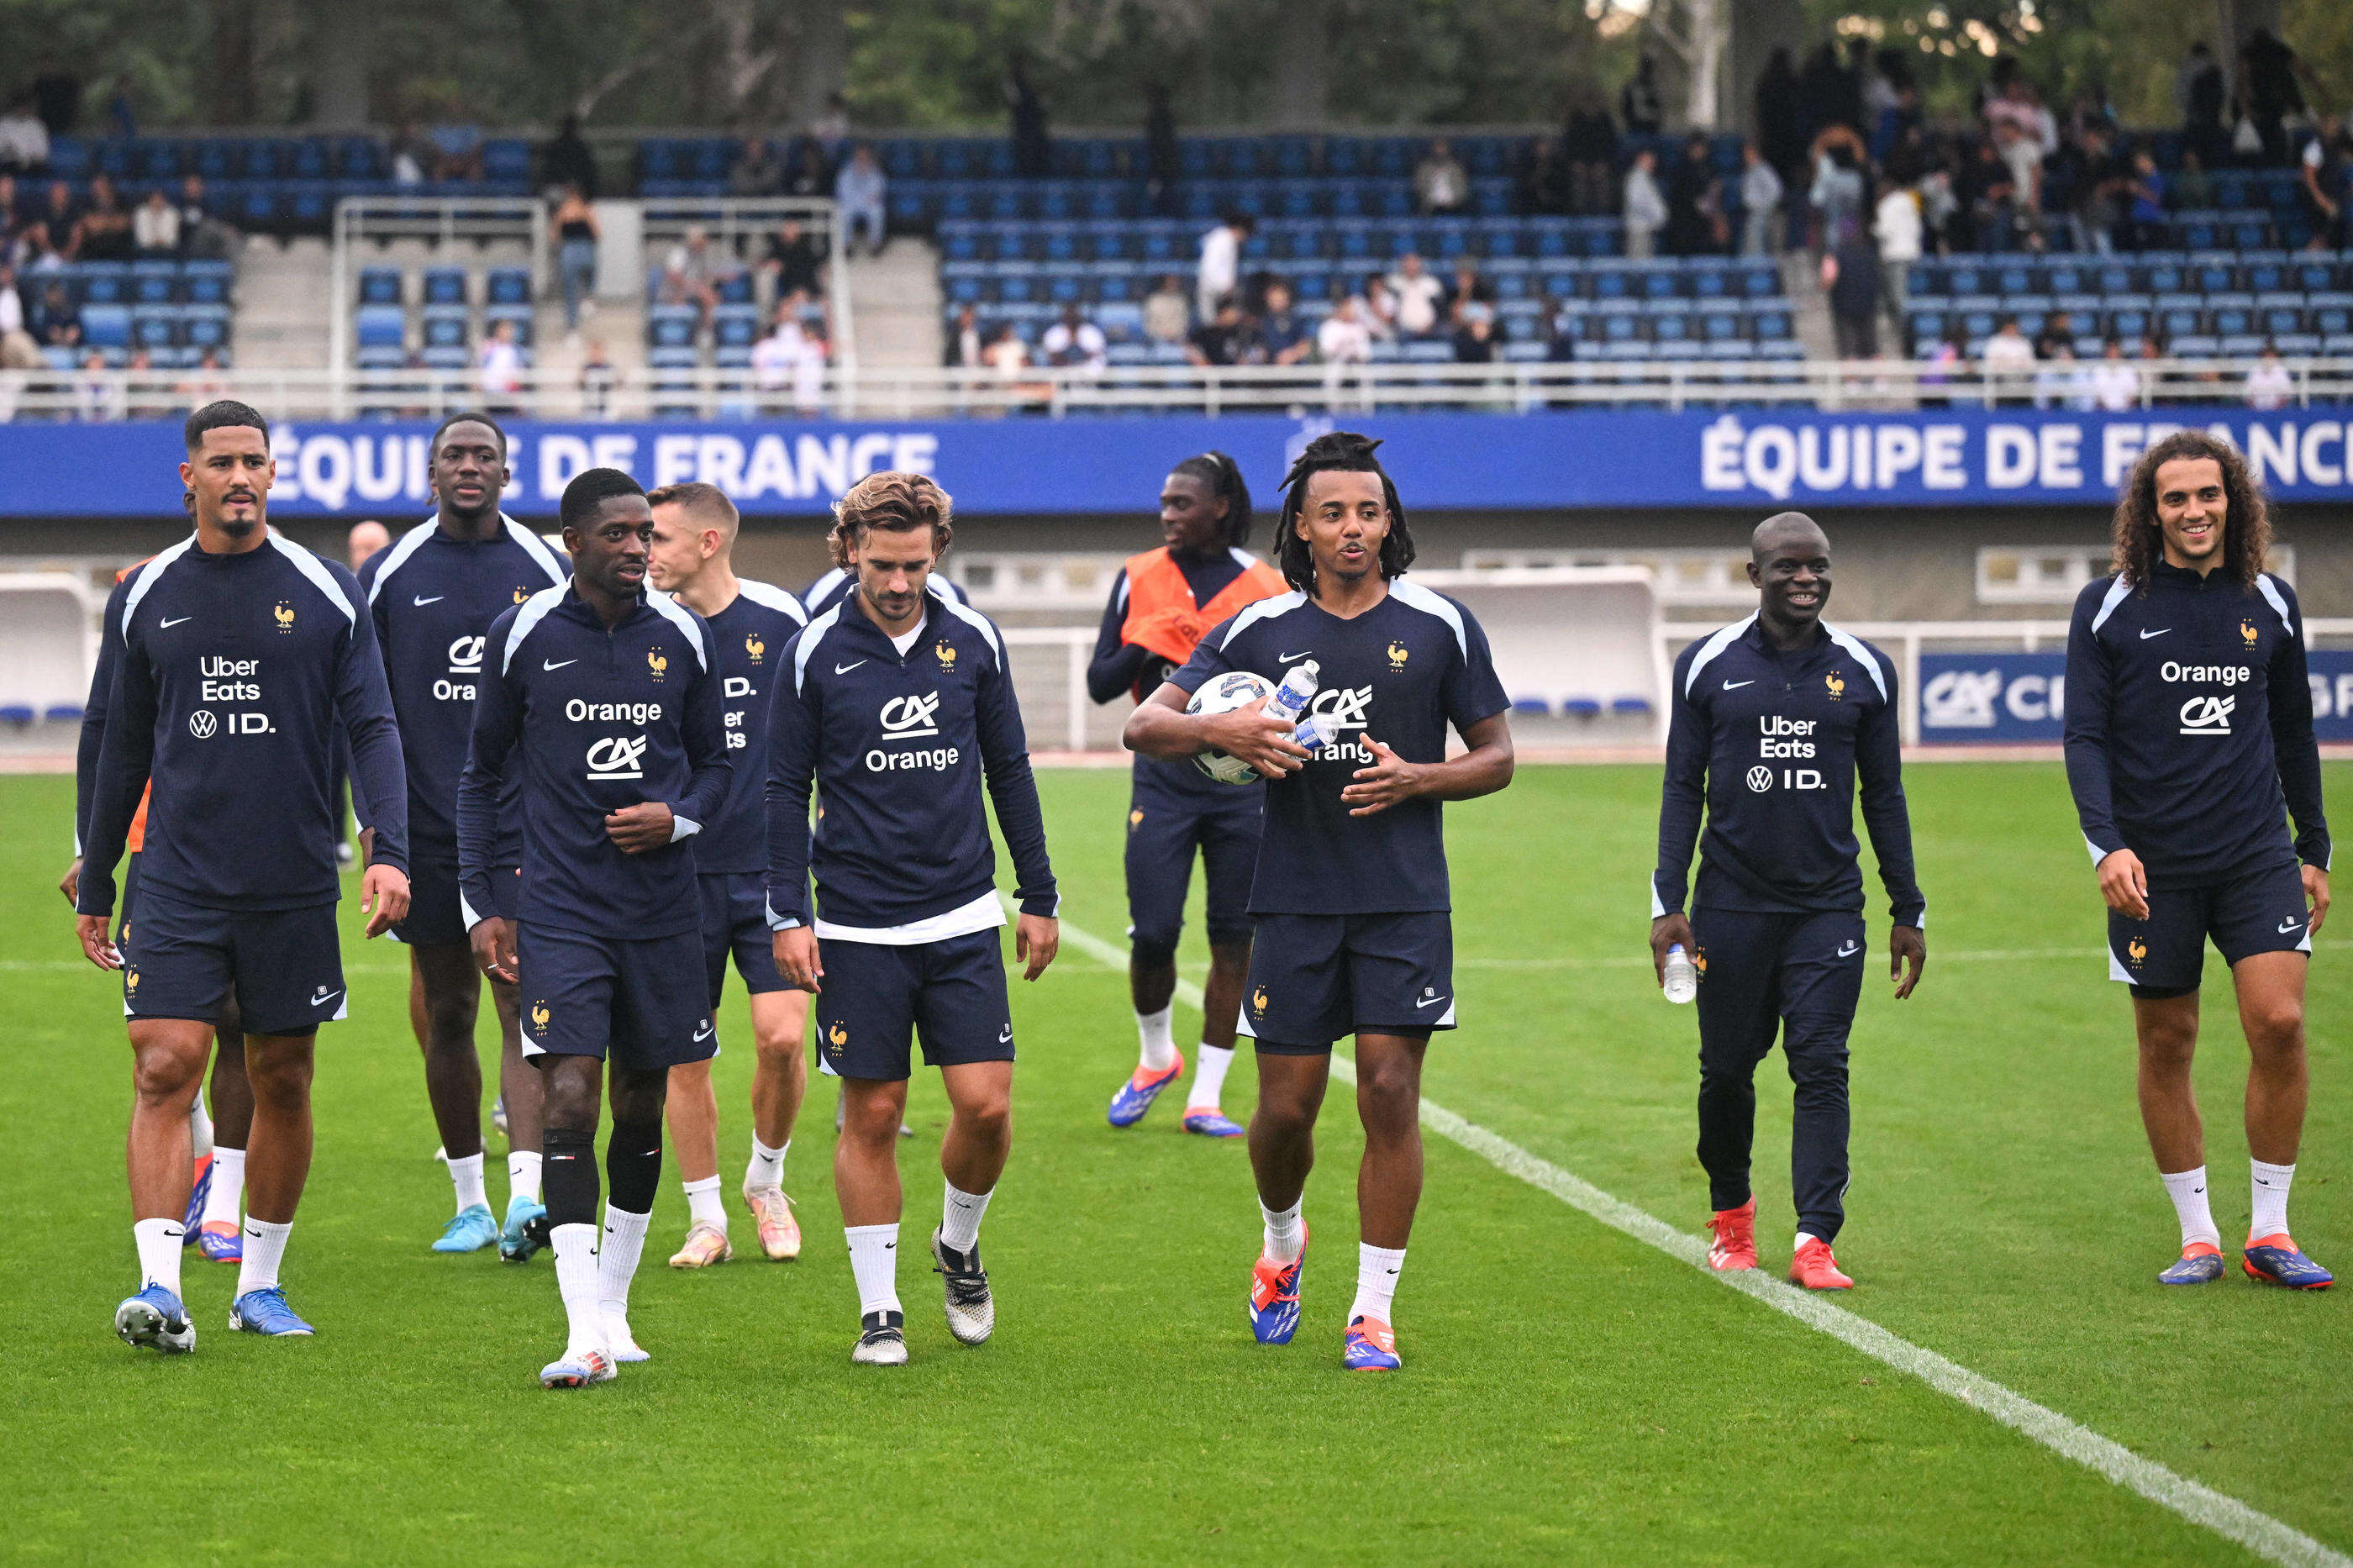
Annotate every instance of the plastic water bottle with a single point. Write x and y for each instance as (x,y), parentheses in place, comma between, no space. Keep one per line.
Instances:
(1291,699)
(1683,977)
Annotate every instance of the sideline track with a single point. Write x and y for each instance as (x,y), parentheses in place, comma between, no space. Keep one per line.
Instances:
(2202,1505)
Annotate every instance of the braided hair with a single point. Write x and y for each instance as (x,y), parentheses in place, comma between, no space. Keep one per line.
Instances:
(1341,451)
(1224,477)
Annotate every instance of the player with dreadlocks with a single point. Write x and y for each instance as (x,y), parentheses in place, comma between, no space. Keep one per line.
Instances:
(2190,740)
(1350,897)
(1161,603)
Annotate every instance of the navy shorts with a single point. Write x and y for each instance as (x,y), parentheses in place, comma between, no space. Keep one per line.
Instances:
(122,904)
(183,960)
(2164,955)
(640,1003)
(736,920)
(437,907)
(1163,831)
(1315,978)
(950,995)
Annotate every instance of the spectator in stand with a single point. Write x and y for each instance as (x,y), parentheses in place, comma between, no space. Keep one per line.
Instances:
(105,225)
(2146,223)
(12,223)
(1418,296)
(1760,200)
(1075,344)
(155,227)
(1639,103)
(1544,179)
(1469,292)
(1007,357)
(24,138)
(56,324)
(1645,208)
(205,235)
(1343,338)
(758,172)
(1895,224)
(859,193)
(1380,307)
(1220,270)
(569,159)
(457,153)
(1224,339)
(1562,332)
(810,175)
(1442,185)
(1837,191)
(1987,195)
(18,349)
(1947,359)
(2270,384)
(2192,187)
(1589,144)
(2200,94)
(57,226)
(411,155)
(574,225)
(2059,380)
(2270,90)
(1781,130)
(497,368)
(2103,186)
(966,343)
(1851,272)
(98,395)
(2325,168)
(2022,157)
(2058,329)
(790,358)
(831,127)
(1283,337)
(792,265)
(2116,385)
(1033,148)
(598,379)
(1696,202)
(692,272)
(2008,358)
(1474,340)
(1167,313)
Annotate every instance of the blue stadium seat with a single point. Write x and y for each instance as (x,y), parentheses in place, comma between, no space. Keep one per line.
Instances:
(443,326)
(671,326)
(106,326)
(380,286)
(445,286)
(204,326)
(509,286)
(521,315)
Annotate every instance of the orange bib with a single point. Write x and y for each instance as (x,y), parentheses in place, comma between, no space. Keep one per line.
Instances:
(1162,615)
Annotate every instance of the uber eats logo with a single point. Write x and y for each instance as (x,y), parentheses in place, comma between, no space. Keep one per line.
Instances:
(466,665)
(617,757)
(907,720)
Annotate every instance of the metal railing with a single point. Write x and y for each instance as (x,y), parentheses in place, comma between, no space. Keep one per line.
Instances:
(442,220)
(848,390)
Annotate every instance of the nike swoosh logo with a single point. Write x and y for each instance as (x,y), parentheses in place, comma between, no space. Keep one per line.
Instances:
(2158,633)
(167,626)
(1429,1002)
(558,664)
(702,1033)
(1737,684)
(1006,1037)
(325,996)
(1287,658)
(434,600)
(846,668)
(2286,926)
(1848,950)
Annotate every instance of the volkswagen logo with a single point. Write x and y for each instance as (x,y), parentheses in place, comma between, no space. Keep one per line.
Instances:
(202,723)
(1760,778)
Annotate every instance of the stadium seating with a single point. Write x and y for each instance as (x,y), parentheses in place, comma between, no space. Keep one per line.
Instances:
(443,314)
(2196,303)
(175,310)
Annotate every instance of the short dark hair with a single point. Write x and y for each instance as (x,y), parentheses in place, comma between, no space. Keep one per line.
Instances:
(466,417)
(225,414)
(1224,477)
(592,488)
(1341,451)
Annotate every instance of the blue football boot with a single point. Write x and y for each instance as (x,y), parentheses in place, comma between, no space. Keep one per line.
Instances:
(2274,1260)
(265,1311)
(1370,1346)
(1213,1124)
(1274,1296)
(526,1231)
(156,1319)
(2199,1265)
(471,1229)
(1142,1087)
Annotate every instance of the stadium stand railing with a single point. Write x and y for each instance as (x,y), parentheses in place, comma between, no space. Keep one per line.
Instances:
(2196,302)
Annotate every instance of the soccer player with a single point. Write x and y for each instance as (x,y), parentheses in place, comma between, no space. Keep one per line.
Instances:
(1350,895)
(836,587)
(433,596)
(692,560)
(897,704)
(1772,722)
(239,651)
(2189,740)
(212,1218)
(1161,602)
(606,699)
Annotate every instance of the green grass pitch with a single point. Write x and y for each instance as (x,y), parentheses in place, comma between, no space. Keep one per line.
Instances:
(1569,1394)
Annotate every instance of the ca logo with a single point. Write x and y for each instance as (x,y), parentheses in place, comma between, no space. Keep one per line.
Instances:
(2208,715)
(904,718)
(617,757)
(466,656)
(539,1017)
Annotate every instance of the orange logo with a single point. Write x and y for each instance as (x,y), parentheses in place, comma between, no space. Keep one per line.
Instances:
(1397,656)
(285,614)
(539,1017)
(2135,950)
(2247,630)
(655,660)
(945,655)
(1837,685)
(754,646)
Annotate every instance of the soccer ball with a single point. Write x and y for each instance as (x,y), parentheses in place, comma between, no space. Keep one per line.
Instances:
(1235,689)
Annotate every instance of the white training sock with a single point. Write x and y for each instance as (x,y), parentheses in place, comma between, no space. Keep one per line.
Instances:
(768,1166)
(1376,1282)
(265,1248)
(1209,1076)
(200,1124)
(575,1279)
(466,1175)
(2271,1199)
(2187,1191)
(616,1257)
(522,1174)
(960,1218)
(874,1262)
(1159,1045)
(159,1252)
(1286,1238)
(221,1203)
(702,1203)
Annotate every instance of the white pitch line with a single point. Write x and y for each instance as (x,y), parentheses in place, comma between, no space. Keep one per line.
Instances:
(2226,1516)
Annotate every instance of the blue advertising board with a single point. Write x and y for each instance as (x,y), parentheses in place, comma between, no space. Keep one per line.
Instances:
(1758,459)
(1987,699)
